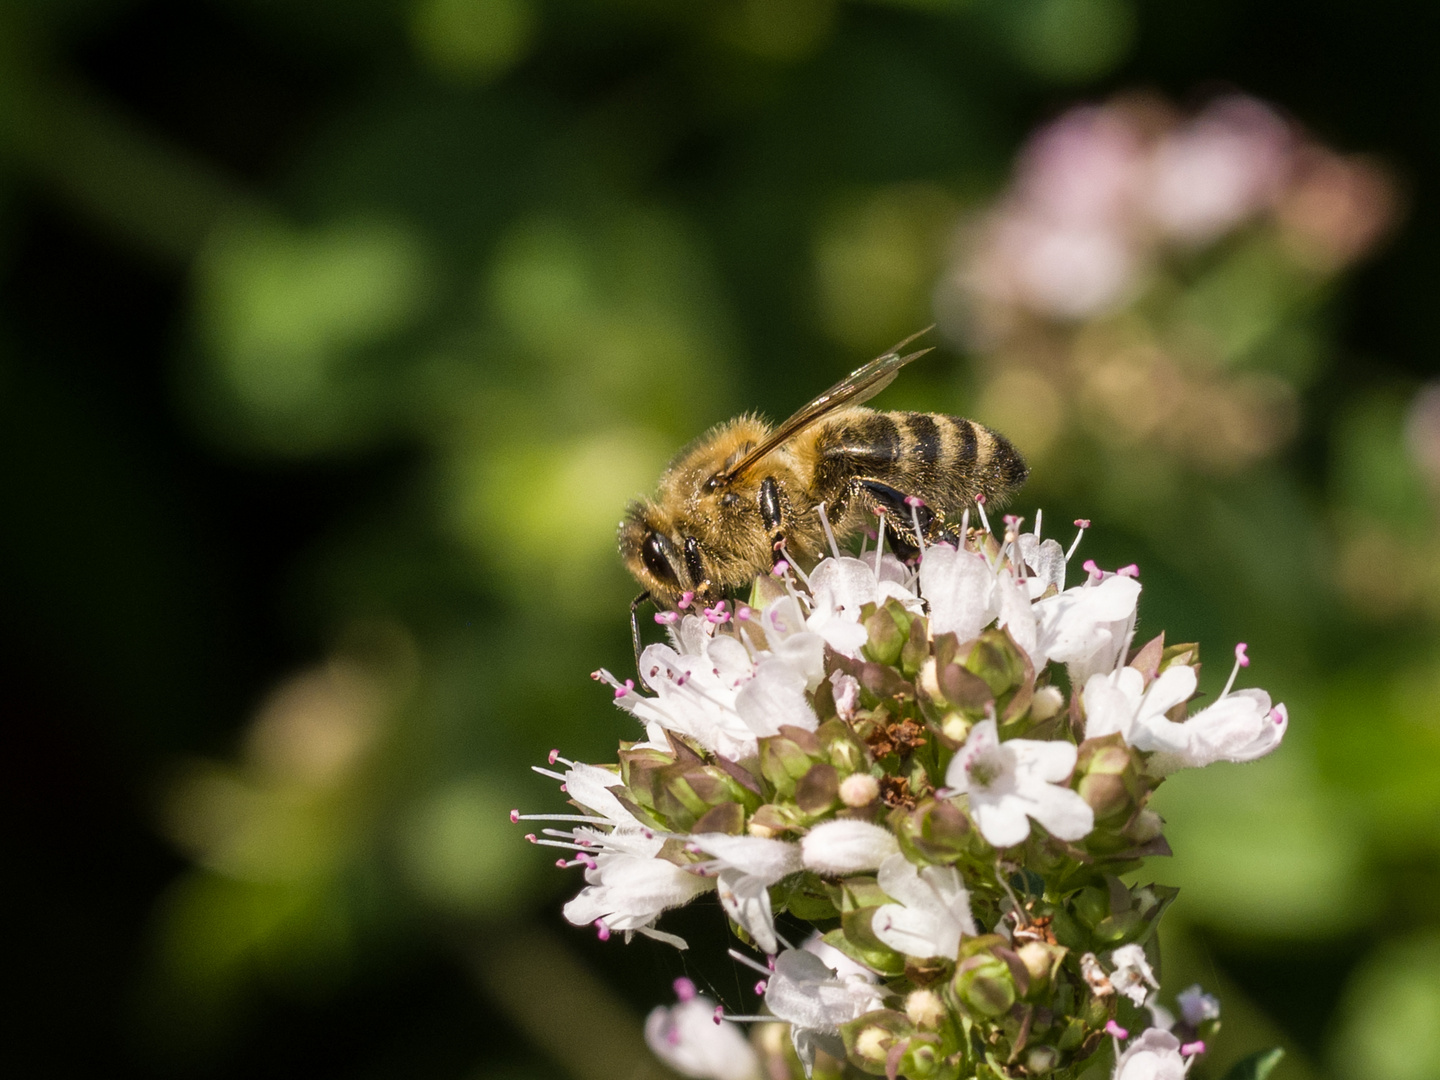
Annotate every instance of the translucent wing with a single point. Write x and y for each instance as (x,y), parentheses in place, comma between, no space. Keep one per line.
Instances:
(860,385)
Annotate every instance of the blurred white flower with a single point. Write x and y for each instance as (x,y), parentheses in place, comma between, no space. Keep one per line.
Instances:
(933,911)
(1010,782)
(687,1038)
(1196,1006)
(1152,1055)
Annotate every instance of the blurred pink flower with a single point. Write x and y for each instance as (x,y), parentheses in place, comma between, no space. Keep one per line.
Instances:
(1223,167)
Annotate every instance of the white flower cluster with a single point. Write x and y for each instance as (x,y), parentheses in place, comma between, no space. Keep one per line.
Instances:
(727,681)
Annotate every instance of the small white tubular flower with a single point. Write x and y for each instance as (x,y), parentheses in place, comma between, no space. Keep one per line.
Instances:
(1132,973)
(837,961)
(746,866)
(628,887)
(774,698)
(721,696)
(1196,1006)
(686,1038)
(1084,628)
(589,785)
(959,587)
(792,638)
(933,910)
(1121,702)
(840,587)
(1153,1055)
(1010,782)
(1046,560)
(1241,726)
(809,996)
(838,847)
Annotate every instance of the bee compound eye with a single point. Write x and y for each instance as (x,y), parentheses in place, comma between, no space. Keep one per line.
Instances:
(655,554)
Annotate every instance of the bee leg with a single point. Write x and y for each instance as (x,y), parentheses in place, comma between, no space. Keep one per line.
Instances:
(635,626)
(901,518)
(772,513)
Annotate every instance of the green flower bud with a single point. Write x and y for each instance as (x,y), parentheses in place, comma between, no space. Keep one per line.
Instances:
(1041,961)
(886,638)
(935,831)
(984,985)
(1041,1059)
(842,747)
(783,761)
(1145,827)
(925,1009)
(869,1038)
(819,789)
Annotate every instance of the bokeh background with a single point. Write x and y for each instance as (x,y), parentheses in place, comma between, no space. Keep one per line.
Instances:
(334,335)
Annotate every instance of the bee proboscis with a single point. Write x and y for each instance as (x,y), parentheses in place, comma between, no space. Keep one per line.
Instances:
(744,495)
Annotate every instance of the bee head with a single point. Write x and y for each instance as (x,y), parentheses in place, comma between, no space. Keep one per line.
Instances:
(666,563)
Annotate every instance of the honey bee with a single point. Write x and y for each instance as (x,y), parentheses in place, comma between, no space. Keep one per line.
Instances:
(744,495)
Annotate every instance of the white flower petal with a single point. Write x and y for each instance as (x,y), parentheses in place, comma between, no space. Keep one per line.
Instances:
(840,847)
(746,899)
(959,588)
(1153,1055)
(686,1038)
(774,698)
(769,860)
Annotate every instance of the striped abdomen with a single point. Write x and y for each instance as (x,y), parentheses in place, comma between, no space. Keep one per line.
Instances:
(945,460)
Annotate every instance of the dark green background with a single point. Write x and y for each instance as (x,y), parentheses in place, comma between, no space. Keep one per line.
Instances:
(171,548)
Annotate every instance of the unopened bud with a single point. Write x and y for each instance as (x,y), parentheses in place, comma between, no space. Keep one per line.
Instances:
(1041,1059)
(873,1044)
(925,1009)
(1146,827)
(985,985)
(1040,960)
(859,790)
(1046,702)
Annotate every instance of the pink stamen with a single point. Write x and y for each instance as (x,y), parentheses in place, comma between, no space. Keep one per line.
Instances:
(778,570)
(719,1014)
(553,755)
(1096,574)
(1241,660)
(1082,523)
(598,674)
(1012,521)
(601,930)
(760,987)
(1115,1030)
(1193,1048)
(561,863)
(684,989)
(685,599)
(1274,716)
(667,618)
(743,613)
(980,499)
(515,814)
(620,691)
(1132,571)
(562,786)
(532,838)
(915,501)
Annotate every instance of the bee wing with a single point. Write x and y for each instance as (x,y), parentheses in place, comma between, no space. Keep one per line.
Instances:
(859,386)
